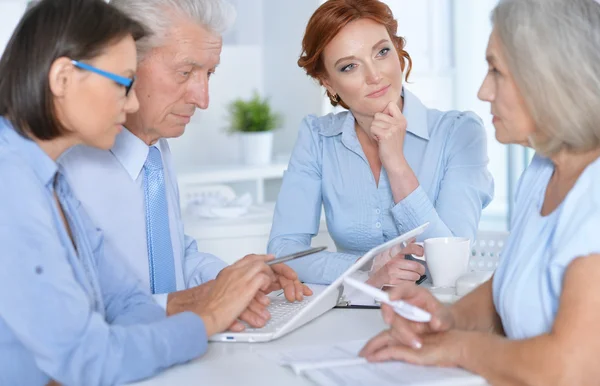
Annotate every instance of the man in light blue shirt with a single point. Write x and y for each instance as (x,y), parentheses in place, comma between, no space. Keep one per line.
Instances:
(140,214)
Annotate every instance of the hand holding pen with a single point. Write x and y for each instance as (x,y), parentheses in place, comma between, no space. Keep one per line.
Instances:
(403,329)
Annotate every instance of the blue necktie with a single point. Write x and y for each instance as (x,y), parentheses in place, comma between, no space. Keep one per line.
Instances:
(158,235)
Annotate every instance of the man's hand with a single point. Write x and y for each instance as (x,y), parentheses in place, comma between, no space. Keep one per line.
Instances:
(232,293)
(256,315)
(186,300)
(269,278)
(287,279)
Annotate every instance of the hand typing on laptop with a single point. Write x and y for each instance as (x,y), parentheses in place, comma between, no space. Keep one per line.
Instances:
(255,314)
(286,279)
(238,294)
(228,296)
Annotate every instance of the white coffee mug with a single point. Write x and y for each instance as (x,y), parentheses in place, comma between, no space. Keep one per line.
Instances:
(447,259)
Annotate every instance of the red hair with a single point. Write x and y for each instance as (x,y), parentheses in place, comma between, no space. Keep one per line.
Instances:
(330,18)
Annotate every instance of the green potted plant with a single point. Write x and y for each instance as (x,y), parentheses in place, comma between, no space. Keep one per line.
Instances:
(254,121)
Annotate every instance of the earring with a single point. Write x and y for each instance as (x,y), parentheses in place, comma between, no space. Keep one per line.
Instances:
(335,98)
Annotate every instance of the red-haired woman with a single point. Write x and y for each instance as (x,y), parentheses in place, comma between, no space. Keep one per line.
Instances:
(383,167)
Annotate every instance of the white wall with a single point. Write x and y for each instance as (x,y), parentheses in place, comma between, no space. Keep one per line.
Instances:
(249,24)
(426,26)
(292,92)
(472,27)
(10,13)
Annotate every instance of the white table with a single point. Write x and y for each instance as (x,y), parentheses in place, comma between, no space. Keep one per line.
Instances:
(238,363)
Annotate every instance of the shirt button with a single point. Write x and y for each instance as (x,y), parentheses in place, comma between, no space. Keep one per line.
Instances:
(378,225)
(377,211)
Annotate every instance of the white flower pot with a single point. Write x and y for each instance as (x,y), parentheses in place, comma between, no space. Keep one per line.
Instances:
(257,148)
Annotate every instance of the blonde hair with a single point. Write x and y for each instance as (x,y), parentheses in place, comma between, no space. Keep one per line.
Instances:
(552,48)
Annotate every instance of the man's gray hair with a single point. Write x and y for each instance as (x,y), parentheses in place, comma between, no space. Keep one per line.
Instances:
(552,48)
(161,15)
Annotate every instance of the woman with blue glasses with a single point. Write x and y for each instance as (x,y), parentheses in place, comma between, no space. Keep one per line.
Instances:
(68,312)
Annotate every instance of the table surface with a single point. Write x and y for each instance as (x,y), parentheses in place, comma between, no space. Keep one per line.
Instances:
(239,363)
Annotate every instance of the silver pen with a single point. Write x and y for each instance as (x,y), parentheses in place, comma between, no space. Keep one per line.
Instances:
(296,255)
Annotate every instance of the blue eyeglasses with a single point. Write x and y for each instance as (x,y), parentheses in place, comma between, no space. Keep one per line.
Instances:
(121,80)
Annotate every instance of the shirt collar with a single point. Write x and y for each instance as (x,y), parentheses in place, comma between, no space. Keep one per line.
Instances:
(43,166)
(413,109)
(131,152)
(416,115)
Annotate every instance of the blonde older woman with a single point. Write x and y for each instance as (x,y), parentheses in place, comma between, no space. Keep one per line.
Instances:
(535,321)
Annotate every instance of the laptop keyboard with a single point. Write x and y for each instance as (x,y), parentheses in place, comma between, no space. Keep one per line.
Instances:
(281,311)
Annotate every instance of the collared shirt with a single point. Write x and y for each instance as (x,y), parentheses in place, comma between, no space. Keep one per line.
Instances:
(72,313)
(110,186)
(528,282)
(328,168)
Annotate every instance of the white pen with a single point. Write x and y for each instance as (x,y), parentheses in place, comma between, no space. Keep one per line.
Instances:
(402,308)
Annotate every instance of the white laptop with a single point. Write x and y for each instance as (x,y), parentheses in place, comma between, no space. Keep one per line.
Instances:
(286,317)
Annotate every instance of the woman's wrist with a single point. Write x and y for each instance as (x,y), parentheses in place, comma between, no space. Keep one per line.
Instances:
(398,166)
(403,181)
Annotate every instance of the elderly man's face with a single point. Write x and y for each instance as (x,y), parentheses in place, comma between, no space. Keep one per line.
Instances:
(172,80)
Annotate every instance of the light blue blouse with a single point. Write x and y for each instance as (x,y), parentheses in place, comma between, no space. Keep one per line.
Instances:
(528,282)
(72,314)
(328,168)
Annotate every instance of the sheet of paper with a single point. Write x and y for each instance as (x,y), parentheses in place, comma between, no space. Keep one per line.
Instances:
(302,358)
(339,364)
(392,373)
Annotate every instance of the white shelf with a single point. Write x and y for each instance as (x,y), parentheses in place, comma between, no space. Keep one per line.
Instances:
(233,173)
(232,238)
(257,222)
(223,174)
